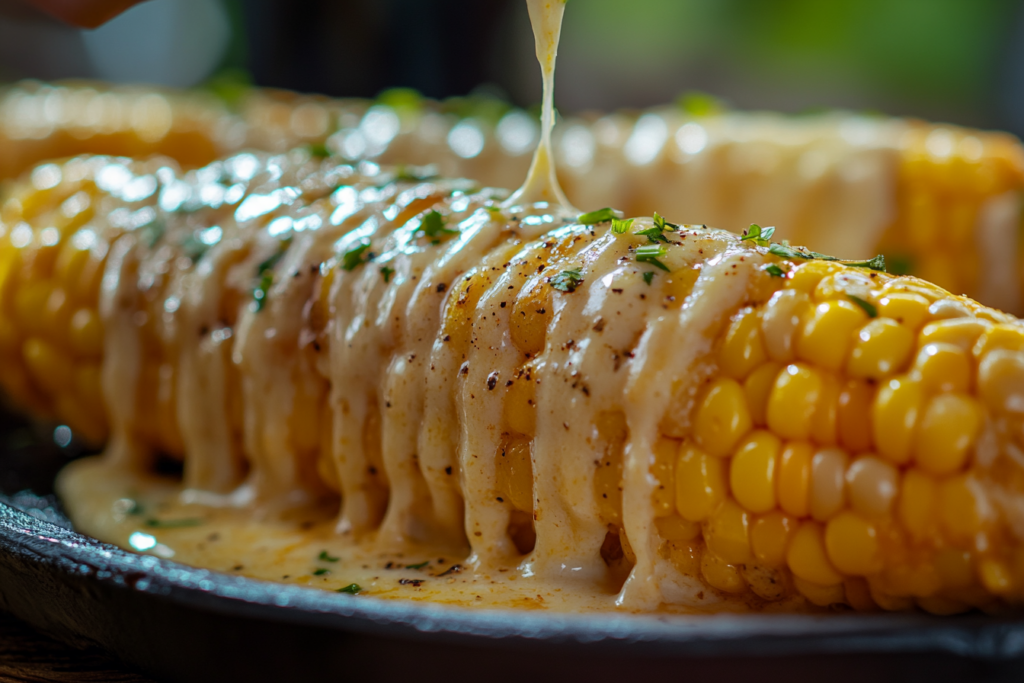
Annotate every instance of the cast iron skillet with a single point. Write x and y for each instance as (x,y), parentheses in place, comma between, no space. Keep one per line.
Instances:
(178,623)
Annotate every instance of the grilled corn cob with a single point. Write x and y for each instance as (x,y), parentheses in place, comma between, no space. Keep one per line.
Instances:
(689,416)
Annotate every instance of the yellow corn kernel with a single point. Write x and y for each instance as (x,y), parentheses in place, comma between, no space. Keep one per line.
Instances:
(1004,336)
(783,317)
(86,333)
(89,384)
(612,429)
(942,607)
(758,387)
(701,483)
(881,348)
(752,471)
(995,576)
(962,332)
(890,602)
(853,418)
(906,308)
(56,315)
(769,538)
(722,417)
(721,575)
(795,478)
(515,473)
(955,567)
(807,557)
(531,314)
(805,278)
(822,596)
(727,533)
(1001,381)
(793,401)
(894,417)
(872,485)
(948,429)
(742,351)
(943,367)
(29,301)
(858,595)
(828,483)
(662,469)
(827,336)
(825,420)
(49,366)
(675,528)
(685,557)
(960,503)
(852,545)
(917,501)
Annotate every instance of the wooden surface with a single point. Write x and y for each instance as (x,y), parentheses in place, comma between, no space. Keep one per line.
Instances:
(26,655)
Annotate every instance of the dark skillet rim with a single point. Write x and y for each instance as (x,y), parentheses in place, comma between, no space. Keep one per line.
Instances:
(46,547)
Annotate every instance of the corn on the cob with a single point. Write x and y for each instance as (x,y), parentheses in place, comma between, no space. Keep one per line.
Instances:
(699,421)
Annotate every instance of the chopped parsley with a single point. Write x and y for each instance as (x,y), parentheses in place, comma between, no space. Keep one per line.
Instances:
(697,104)
(259,294)
(567,280)
(353,258)
(386,272)
(774,270)
(432,226)
(324,557)
(758,235)
(657,233)
(649,277)
(318,150)
(594,217)
(172,523)
(620,226)
(320,571)
(786,251)
(650,253)
(416,173)
(351,589)
(420,565)
(868,307)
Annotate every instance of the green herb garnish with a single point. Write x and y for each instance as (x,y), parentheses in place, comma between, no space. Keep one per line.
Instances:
(786,251)
(318,150)
(194,248)
(353,258)
(774,270)
(432,225)
(416,173)
(650,253)
(567,280)
(386,272)
(620,226)
(324,557)
(421,565)
(321,571)
(595,217)
(760,236)
(351,589)
(259,294)
(172,523)
(697,104)
(868,307)
(900,265)
(152,232)
(649,277)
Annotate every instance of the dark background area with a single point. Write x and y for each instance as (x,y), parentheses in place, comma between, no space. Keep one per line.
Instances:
(960,61)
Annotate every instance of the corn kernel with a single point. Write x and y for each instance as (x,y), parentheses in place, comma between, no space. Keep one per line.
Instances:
(822,596)
(943,367)
(824,423)
(531,314)
(917,501)
(727,533)
(86,333)
(962,332)
(805,278)
(961,507)
(852,545)
(793,401)
(721,575)
(872,485)
(828,483)
(827,336)
(995,576)
(701,483)
(612,429)
(663,470)
(853,418)
(685,557)
(895,416)
(783,318)
(795,478)
(858,595)
(49,366)
(890,602)
(29,301)
(906,308)
(807,557)
(758,387)
(948,429)
(881,348)
(515,473)
(942,607)
(722,418)
(752,471)
(1001,381)
(955,567)
(675,528)
(1004,336)
(742,350)
(769,538)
